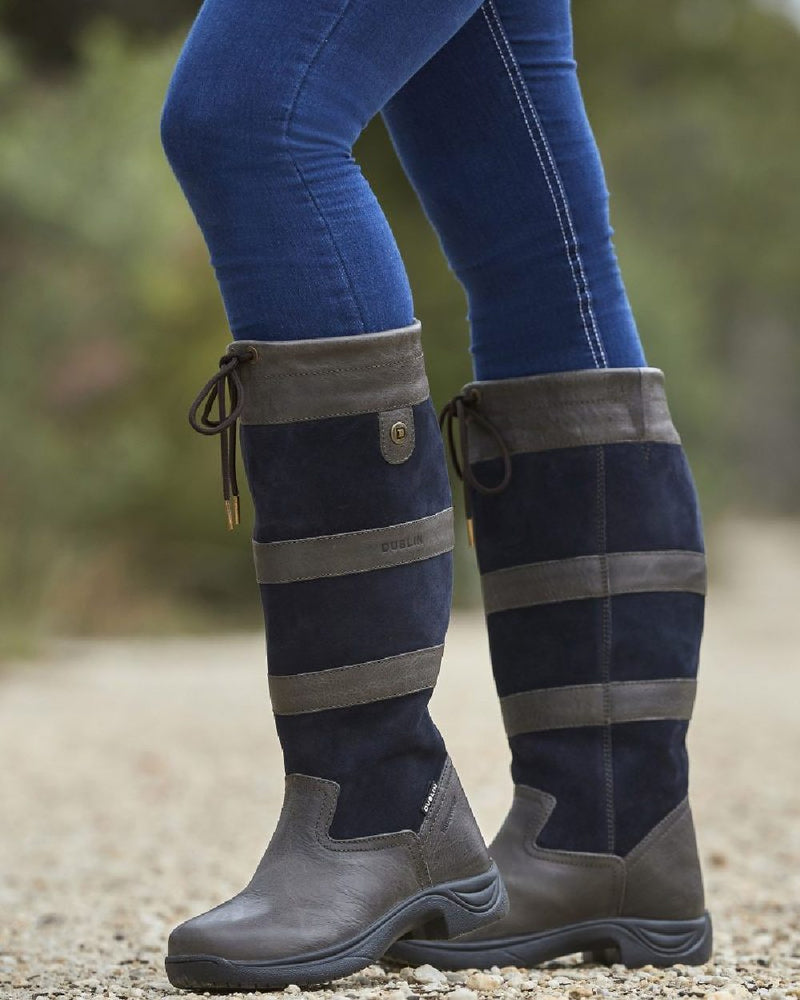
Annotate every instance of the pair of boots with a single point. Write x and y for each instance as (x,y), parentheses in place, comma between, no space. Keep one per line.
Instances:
(591,558)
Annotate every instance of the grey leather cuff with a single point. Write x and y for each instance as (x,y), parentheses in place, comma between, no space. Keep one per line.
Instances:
(297,380)
(572,409)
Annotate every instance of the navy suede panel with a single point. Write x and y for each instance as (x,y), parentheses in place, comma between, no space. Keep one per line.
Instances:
(332,622)
(651,776)
(384,755)
(567,763)
(650,499)
(325,477)
(548,645)
(549,510)
(320,477)
(655,635)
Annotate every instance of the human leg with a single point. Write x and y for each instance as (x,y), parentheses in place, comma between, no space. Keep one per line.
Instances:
(260,118)
(587,528)
(494,136)
(353,527)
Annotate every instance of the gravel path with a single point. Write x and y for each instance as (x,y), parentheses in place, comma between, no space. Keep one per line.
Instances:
(141,778)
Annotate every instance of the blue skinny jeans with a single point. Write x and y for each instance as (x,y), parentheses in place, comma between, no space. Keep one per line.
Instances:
(484,108)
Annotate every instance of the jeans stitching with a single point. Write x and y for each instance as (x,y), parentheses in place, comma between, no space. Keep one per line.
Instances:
(301,177)
(561,205)
(546,145)
(565,203)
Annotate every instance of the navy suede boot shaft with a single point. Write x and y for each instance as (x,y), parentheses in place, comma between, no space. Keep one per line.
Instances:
(590,549)
(344,459)
(352,544)
(593,575)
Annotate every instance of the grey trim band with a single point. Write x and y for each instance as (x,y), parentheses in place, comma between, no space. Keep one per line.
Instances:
(354,551)
(298,380)
(594,576)
(358,684)
(588,705)
(573,409)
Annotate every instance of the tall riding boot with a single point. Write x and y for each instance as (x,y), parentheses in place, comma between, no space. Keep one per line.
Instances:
(353,540)
(592,565)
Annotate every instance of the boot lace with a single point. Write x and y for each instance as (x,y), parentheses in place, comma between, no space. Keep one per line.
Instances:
(463,409)
(225,389)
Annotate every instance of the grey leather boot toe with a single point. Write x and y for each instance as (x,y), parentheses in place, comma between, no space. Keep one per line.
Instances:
(646,908)
(318,908)
(592,565)
(353,540)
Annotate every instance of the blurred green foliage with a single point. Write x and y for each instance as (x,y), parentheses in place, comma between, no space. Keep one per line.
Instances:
(111,317)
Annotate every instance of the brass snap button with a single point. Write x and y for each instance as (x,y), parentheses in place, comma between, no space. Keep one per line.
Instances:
(398,432)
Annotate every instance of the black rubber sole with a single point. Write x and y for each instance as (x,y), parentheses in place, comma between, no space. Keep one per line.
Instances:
(451,908)
(630,941)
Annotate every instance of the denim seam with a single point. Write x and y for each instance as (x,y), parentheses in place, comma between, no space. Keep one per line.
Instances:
(605,652)
(562,208)
(289,120)
(547,180)
(546,146)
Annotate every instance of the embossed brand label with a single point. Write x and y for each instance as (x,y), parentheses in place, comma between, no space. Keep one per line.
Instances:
(409,542)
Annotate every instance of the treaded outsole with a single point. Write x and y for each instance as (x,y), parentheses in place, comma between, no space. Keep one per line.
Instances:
(627,940)
(453,908)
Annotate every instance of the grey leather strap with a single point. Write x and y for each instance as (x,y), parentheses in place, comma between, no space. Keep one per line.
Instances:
(290,381)
(354,551)
(597,705)
(572,409)
(357,684)
(593,576)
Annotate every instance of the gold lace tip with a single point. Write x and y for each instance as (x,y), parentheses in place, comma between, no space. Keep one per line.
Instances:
(470,533)
(232,512)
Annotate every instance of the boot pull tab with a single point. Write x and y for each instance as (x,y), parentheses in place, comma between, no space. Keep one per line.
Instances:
(225,388)
(464,407)
(397,434)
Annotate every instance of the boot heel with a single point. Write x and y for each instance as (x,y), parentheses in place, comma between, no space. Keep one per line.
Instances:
(463,906)
(655,942)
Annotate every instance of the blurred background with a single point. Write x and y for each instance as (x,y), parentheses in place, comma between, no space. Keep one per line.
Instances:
(111,520)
